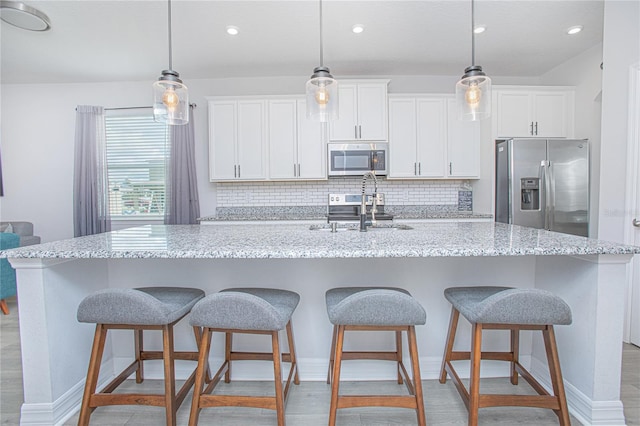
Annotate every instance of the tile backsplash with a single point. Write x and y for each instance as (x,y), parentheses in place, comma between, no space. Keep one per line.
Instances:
(314,193)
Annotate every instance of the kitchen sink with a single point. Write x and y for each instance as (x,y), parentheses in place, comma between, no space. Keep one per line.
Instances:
(356,227)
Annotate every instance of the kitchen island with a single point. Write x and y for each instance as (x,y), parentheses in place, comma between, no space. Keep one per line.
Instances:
(589,274)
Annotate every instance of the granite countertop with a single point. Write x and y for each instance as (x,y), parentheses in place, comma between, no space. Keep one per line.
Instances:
(298,241)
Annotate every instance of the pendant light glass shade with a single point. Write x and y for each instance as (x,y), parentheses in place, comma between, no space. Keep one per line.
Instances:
(170,95)
(473,94)
(322,96)
(322,90)
(473,91)
(170,99)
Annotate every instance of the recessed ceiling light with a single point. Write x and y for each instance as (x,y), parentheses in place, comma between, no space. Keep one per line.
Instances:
(574,30)
(22,16)
(479,29)
(231,30)
(358,28)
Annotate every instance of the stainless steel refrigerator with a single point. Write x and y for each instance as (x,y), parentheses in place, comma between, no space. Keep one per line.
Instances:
(543,183)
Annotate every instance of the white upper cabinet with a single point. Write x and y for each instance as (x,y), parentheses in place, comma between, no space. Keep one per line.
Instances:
(534,112)
(426,141)
(463,145)
(237,140)
(296,146)
(362,111)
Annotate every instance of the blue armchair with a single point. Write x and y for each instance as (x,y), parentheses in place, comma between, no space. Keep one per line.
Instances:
(7,273)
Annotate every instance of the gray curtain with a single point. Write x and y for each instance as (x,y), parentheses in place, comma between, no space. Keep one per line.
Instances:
(182,206)
(90,191)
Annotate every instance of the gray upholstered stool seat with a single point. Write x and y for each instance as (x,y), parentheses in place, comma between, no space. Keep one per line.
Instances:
(514,309)
(140,306)
(506,305)
(249,311)
(146,308)
(375,309)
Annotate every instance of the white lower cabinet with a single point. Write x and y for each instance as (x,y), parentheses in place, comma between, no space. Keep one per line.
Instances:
(237,140)
(426,141)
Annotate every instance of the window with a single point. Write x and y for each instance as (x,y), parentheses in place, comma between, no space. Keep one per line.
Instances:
(137,152)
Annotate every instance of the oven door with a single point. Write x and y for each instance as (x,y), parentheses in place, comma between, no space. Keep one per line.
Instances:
(355,159)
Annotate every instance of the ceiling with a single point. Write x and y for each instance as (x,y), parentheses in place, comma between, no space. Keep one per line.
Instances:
(94,40)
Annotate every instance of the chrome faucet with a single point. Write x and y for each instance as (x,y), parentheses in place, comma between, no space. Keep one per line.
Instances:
(363,205)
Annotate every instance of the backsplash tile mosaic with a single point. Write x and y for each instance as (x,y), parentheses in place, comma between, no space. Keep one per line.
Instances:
(314,193)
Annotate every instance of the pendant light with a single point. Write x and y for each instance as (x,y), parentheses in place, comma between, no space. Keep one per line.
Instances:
(473,91)
(170,95)
(322,90)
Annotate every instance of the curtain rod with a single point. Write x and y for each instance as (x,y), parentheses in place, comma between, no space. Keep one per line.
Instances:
(139,107)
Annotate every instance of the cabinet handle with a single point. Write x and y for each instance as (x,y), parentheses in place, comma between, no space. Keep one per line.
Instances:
(531,131)
(355,131)
(419,168)
(238,170)
(294,169)
(415,169)
(359,131)
(235,171)
(536,128)
(298,169)
(636,223)
(450,168)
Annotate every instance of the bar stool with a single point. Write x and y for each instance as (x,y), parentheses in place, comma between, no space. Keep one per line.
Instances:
(249,311)
(375,309)
(505,308)
(146,308)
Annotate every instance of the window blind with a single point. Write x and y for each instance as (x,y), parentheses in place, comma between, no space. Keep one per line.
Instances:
(137,150)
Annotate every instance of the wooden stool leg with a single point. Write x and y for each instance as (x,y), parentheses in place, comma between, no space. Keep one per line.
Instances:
(99,339)
(451,337)
(277,378)
(399,355)
(292,352)
(169,375)
(556,374)
(201,372)
(138,348)
(3,307)
(332,353)
(228,343)
(335,386)
(197,331)
(515,354)
(474,379)
(417,378)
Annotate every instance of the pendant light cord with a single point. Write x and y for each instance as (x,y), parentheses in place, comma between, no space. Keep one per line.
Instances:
(170,54)
(473,35)
(321,58)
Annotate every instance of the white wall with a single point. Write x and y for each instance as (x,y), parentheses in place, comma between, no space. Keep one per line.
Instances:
(621,49)
(584,73)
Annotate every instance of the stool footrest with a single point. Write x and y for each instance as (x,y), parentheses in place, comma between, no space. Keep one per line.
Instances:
(208,401)
(102,399)
(181,355)
(400,401)
(257,356)
(384,356)
(494,356)
(499,400)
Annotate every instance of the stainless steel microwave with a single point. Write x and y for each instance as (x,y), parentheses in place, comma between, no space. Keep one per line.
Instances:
(349,159)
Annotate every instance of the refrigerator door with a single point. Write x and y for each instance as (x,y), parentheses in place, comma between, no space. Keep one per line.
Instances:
(502,181)
(527,188)
(569,186)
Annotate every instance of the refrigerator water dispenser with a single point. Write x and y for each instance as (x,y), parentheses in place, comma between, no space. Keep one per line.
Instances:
(530,193)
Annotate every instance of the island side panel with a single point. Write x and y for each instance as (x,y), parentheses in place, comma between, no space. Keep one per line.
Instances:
(590,349)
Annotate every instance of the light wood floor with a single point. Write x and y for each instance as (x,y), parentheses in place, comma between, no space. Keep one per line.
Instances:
(308,403)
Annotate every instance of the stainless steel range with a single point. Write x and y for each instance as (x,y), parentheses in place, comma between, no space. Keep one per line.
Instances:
(346,207)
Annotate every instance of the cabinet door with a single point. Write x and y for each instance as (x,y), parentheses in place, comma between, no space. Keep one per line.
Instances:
(312,154)
(282,139)
(372,111)
(514,116)
(550,114)
(344,129)
(431,115)
(222,140)
(463,145)
(402,138)
(251,140)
